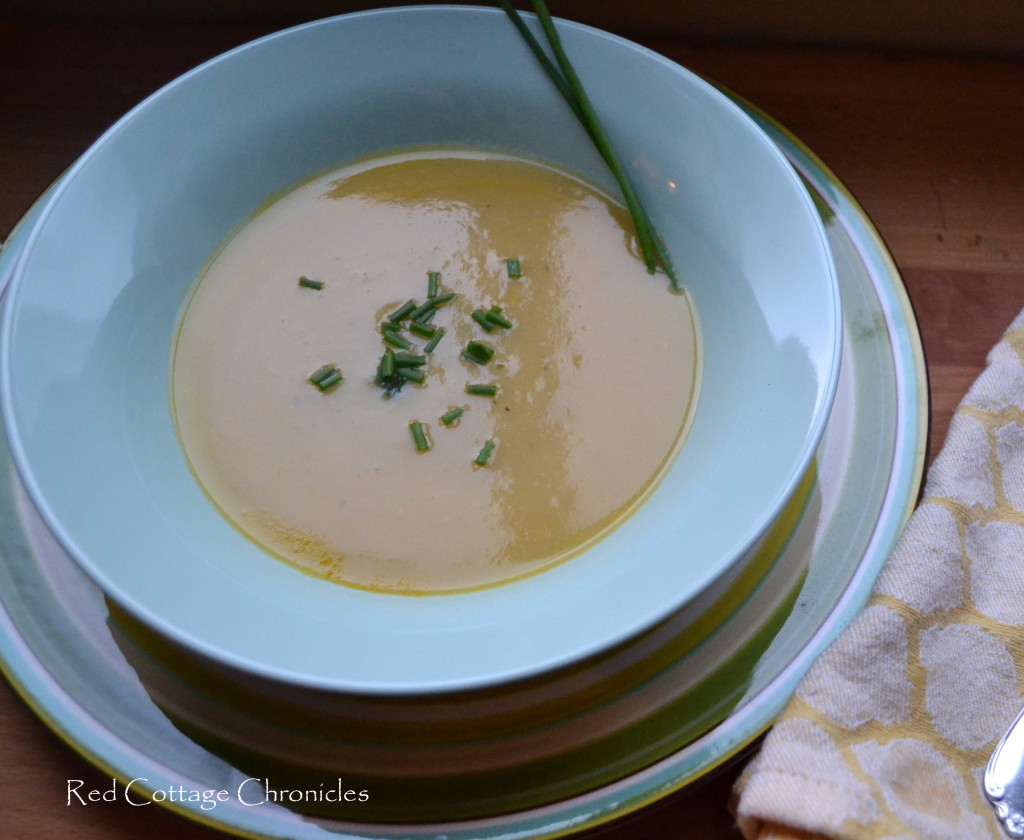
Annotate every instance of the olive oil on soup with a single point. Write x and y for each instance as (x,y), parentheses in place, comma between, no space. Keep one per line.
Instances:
(593,368)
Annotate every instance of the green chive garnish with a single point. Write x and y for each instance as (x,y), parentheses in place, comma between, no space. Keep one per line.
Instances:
(306,283)
(494,316)
(425,318)
(390,326)
(419,436)
(395,340)
(433,283)
(515,271)
(478,353)
(480,317)
(409,360)
(451,416)
(386,368)
(422,330)
(403,311)
(485,454)
(422,309)
(329,381)
(482,390)
(413,374)
(326,377)
(430,345)
(569,85)
(387,374)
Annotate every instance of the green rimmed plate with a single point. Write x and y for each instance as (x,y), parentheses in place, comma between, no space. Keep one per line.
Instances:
(54,640)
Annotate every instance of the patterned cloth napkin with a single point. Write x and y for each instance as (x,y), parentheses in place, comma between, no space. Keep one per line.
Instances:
(888,734)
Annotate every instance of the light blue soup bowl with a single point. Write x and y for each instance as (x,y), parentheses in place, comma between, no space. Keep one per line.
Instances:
(98,288)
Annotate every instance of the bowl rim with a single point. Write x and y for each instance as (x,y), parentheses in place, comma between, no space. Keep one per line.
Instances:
(627,632)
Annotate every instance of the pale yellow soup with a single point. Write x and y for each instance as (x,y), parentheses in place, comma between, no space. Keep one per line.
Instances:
(595,379)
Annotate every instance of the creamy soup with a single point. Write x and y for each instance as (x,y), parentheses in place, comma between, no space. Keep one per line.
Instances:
(592,362)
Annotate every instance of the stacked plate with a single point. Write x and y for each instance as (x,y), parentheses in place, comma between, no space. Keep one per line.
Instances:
(170,649)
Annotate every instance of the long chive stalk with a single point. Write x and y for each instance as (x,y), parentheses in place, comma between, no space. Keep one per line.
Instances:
(553,72)
(569,85)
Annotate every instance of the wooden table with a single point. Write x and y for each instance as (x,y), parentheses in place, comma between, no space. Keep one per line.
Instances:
(931,146)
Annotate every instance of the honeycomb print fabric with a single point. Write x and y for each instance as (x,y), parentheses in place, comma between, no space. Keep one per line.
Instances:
(888,734)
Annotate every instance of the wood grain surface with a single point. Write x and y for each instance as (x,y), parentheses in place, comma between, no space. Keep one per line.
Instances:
(930,145)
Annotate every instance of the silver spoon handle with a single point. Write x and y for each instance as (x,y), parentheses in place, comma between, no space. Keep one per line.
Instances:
(1004,778)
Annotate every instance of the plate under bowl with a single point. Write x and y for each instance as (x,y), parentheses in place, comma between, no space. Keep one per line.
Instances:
(57,650)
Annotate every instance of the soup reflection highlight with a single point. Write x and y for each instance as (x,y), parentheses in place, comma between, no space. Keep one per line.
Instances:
(594,378)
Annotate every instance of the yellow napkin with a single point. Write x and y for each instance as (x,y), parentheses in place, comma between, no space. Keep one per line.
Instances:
(889,732)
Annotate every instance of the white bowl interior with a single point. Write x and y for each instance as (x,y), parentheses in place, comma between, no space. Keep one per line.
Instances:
(100,284)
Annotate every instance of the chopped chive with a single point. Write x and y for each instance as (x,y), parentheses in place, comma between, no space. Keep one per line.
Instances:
(422,309)
(515,270)
(306,283)
(418,313)
(392,384)
(451,416)
(430,345)
(494,316)
(403,360)
(482,390)
(485,454)
(419,436)
(480,317)
(433,283)
(422,330)
(386,368)
(395,340)
(329,381)
(478,353)
(403,311)
(425,318)
(390,326)
(326,377)
(413,374)
(322,373)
